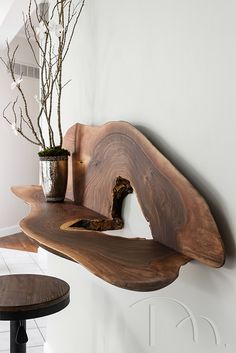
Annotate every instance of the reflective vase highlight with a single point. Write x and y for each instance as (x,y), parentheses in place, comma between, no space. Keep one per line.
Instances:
(54,172)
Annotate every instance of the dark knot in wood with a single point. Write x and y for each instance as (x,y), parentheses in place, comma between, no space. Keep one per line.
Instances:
(121,189)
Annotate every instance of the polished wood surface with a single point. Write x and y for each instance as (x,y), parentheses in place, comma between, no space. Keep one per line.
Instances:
(29,295)
(120,190)
(18,241)
(178,215)
(180,220)
(136,264)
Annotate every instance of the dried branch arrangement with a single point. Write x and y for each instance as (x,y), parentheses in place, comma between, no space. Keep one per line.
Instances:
(52,34)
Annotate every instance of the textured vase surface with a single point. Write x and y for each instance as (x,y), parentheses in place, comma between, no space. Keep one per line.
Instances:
(54,172)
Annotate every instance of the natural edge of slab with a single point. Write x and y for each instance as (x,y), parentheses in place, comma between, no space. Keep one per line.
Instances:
(18,241)
(130,263)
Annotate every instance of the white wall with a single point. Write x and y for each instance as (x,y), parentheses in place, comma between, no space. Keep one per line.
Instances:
(18,162)
(11,19)
(169,68)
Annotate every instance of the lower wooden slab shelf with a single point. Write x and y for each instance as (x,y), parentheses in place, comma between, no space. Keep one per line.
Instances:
(135,264)
(18,241)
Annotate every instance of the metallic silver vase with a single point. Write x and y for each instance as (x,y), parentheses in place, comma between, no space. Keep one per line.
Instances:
(54,172)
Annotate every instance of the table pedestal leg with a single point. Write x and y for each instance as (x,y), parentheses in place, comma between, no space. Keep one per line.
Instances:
(18,337)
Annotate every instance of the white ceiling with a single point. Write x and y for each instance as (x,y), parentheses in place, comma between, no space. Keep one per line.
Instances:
(4,8)
(11,19)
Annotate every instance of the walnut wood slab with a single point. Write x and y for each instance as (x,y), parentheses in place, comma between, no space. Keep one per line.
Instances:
(18,241)
(27,296)
(135,264)
(177,214)
(106,164)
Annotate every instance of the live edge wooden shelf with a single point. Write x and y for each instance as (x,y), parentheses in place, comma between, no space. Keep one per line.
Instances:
(107,163)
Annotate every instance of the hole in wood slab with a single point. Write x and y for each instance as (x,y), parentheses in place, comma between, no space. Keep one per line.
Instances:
(135,223)
(98,224)
(120,190)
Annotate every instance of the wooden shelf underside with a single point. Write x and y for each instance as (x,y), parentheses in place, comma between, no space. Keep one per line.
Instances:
(136,264)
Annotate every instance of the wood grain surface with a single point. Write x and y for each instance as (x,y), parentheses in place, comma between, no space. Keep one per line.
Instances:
(18,241)
(177,214)
(24,295)
(120,190)
(23,290)
(180,220)
(136,264)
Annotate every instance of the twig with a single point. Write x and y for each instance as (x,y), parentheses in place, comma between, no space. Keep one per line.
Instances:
(50,63)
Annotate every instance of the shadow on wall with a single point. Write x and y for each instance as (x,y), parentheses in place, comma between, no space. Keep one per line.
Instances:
(212,197)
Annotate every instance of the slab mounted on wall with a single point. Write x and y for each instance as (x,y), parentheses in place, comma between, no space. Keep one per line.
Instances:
(18,241)
(107,163)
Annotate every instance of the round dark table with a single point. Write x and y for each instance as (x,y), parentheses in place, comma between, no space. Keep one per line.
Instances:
(28,296)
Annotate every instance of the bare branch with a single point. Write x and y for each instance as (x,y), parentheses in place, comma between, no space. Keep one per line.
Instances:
(22,119)
(65,84)
(53,48)
(19,129)
(37,10)
(4,63)
(4,113)
(73,29)
(13,109)
(33,29)
(27,36)
(29,139)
